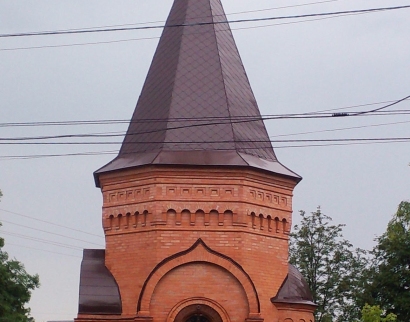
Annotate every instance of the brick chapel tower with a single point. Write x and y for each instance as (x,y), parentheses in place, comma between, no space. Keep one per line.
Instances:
(196,207)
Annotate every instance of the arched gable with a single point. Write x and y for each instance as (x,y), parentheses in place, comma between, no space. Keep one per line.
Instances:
(198,252)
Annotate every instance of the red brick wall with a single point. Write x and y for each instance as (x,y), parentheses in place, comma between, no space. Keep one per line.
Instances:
(151,213)
(199,280)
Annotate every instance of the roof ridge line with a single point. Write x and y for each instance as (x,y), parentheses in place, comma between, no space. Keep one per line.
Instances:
(173,83)
(222,71)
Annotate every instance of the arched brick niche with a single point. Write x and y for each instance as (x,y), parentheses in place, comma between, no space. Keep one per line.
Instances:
(212,310)
(199,272)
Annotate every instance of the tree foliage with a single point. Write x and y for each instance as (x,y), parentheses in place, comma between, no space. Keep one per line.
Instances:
(330,265)
(375,314)
(15,288)
(389,278)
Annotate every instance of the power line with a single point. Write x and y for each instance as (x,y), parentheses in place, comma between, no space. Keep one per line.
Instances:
(354,106)
(78,44)
(37,156)
(83,31)
(151,38)
(218,121)
(229,120)
(236,142)
(121,134)
(301,21)
(282,7)
(159,21)
(198,142)
(251,118)
(340,129)
(314,114)
(40,240)
(383,107)
(211,142)
(333,144)
(217,15)
(14,140)
(172,119)
(48,232)
(50,223)
(43,250)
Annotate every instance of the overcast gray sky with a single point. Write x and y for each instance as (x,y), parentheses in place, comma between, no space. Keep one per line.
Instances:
(294,67)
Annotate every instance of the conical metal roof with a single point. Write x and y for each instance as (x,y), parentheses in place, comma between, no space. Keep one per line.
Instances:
(197,106)
(294,289)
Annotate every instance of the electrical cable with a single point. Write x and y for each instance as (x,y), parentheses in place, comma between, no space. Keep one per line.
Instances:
(119,134)
(333,144)
(78,44)
(300,21)
(200,142)
(49,222)
(352,106)
(216,15)
(282,7)
(383,107)
(219,142)
(112,152)
(48,232)
(127,121)
(227,121)
(37,156)
(259,142)
(40,240)
(339,129)
(151,38)
(43,250)
(204,23)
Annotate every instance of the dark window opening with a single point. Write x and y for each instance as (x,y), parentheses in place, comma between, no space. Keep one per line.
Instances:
(197,318)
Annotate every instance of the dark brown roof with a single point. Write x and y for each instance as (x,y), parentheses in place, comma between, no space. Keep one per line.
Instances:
(197,106)
(294,289)
(99,292)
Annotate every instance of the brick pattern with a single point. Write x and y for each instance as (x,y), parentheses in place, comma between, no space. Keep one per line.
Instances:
(157,195)
(153,213)
(199,280)
(200,253)
(144,221)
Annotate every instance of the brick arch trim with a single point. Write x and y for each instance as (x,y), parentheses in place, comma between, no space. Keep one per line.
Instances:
(198,252)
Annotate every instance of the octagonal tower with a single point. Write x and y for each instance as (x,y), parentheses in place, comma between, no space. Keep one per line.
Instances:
(197,209)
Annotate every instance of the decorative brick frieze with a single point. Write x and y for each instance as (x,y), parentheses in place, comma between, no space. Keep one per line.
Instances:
(127,196)
(228,199)
(122,221)
(271,199)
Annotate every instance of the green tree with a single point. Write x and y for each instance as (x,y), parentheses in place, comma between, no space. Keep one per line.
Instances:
(389,278)
(330,265)
(15,288)
(375,314)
